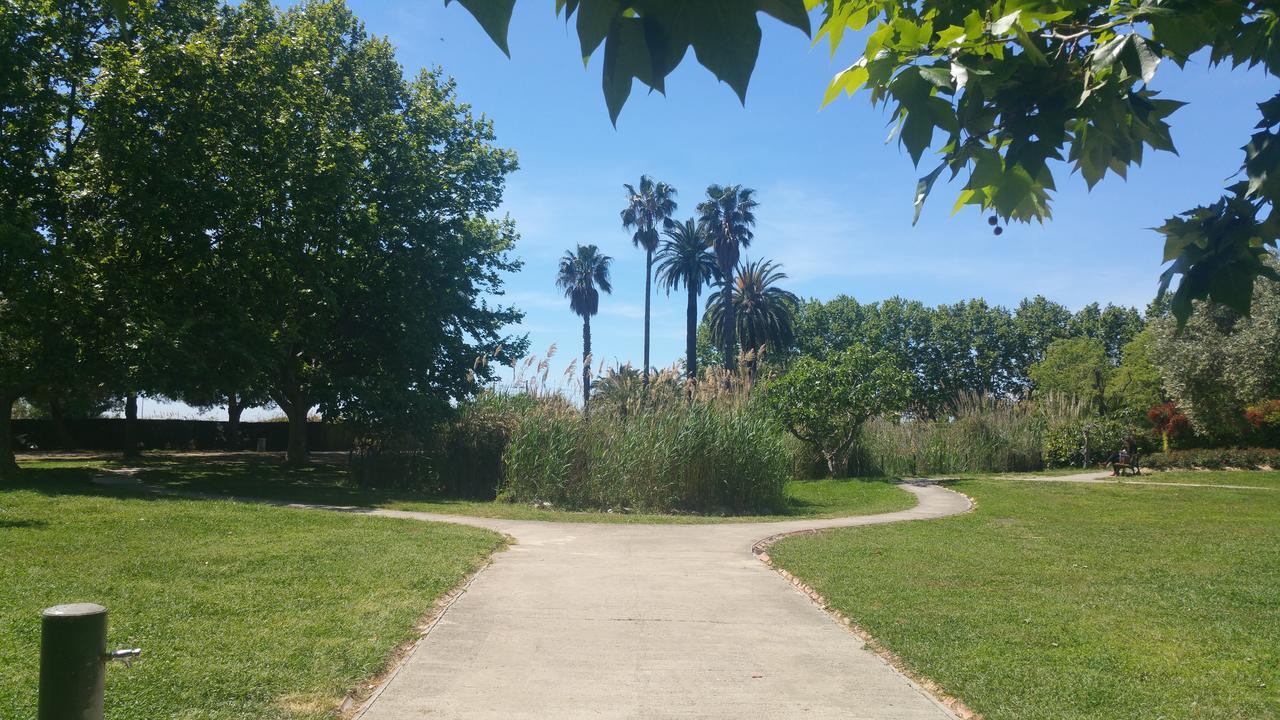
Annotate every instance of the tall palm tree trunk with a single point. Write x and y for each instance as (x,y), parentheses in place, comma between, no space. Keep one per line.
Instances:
(586,363)
(691,334)
(731,327)
(648,280)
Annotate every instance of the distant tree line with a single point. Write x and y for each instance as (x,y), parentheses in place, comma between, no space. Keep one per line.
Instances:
(234,205)
(967,348)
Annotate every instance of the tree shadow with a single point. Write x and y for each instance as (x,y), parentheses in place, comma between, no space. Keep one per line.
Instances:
(205,477)
(22,524)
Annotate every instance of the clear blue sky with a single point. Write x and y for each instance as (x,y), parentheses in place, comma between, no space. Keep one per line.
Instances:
(835,199)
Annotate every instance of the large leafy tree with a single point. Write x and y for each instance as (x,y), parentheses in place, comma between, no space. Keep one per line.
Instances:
(763,312)
(48,293)
(650,206)
(583,275)
(1113,325)
(825,402)
(1077,367)
(728,214)
(1007,93)
(355,201)
(968,348)
(370,225)
(172,107)
(686,259)
(1136,386)
(1222,361)
(150,183)
(1039,321)
(976,350)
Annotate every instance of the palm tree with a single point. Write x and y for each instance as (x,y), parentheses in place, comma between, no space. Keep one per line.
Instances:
(647,208)
(582,276)
(686,259)
(763,313)
(729,215)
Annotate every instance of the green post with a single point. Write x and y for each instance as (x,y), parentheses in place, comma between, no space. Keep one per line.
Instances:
(73,654)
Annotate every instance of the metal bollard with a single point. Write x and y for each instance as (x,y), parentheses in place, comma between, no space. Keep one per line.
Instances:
(73,657)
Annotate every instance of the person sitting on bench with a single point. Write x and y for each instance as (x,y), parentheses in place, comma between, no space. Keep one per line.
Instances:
(1123,460)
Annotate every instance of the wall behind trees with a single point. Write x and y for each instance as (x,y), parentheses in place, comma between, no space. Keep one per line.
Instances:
(108,434)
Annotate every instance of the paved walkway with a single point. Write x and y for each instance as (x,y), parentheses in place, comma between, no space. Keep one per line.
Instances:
(642,621)
(1105,477)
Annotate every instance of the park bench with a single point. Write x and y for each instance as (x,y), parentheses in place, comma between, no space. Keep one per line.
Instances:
(1127,467)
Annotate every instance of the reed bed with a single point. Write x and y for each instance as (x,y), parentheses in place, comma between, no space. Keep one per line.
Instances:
(983,435)
(674,446)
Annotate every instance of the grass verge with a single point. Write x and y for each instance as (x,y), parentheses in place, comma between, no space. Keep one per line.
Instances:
(1074,601)
(242,611)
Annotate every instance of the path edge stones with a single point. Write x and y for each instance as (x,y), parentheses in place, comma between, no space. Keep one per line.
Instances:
(924,685)
(360,698)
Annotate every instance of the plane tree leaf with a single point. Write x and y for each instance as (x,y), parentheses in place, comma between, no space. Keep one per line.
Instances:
(1005,97)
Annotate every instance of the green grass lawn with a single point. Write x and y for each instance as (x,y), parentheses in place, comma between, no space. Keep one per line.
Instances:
(1075,601)
(1221,477)
(242,611)
(263,477)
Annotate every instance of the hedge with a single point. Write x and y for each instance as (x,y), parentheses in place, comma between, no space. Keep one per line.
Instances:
(1214,459)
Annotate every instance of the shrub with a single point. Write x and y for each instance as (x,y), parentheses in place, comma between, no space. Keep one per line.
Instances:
(983,435)
(1065,443)
(1214,459)
(1169,422)
(1264,420)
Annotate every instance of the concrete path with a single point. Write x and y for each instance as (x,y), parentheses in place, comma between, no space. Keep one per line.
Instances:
(647,621)
(1105,477)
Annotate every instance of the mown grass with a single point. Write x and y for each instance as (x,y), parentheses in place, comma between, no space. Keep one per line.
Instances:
(252,476)
(242,611)
(1249,478)
(1075,601)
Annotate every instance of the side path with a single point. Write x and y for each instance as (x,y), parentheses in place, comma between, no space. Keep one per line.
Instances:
(1104,477)
(641,621)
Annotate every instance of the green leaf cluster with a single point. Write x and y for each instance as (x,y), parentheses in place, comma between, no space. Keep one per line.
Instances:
(970,348)
(825,402)
(645,40)
(247,203)
(1005,93)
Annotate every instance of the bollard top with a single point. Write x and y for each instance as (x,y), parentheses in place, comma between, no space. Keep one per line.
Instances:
(74,610)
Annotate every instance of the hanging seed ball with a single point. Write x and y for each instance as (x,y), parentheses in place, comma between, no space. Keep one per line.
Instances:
(993,220)
(998,231)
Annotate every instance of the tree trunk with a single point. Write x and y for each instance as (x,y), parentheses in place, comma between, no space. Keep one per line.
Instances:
(297,455)
(8,465)
(731,328)
(233,422)
(295,405)
(648,280)
(691,335)
(831,459)
(131,426)
(586,363)
(58,415)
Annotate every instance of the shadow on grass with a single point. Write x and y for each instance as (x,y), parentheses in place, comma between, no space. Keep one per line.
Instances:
(22,524)
(322,483)
(325,482)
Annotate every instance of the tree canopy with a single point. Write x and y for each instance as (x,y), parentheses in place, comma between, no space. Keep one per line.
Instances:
(824,403)
(1005,93)
(242,202)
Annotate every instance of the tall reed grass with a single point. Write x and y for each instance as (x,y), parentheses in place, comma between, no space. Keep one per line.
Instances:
(984,435)
(674,446)
(701,458)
